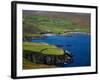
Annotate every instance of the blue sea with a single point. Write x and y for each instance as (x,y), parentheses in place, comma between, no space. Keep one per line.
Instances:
(77,44)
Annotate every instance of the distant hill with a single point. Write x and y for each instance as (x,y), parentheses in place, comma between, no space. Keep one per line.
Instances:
(56,22)
(78,18)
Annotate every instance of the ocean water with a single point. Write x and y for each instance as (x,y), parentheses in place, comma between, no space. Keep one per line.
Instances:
(77,44)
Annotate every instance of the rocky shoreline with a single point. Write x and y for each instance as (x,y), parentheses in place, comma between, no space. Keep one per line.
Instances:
(76,33)
(30,38)
(38,58)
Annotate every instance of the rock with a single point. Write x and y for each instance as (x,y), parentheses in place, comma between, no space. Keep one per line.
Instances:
(48,59)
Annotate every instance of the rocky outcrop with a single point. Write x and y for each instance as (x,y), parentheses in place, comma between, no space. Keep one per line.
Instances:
(30,38)
(38,58)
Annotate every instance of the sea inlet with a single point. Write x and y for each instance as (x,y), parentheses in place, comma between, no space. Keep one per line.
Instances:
(77,44)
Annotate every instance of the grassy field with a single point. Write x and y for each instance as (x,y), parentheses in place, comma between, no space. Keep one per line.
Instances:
(43,48)
(34,25)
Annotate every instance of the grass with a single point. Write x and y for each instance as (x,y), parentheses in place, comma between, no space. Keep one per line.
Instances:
(33,34)
(53,51)
(55,25)
(29,65)
(42,48)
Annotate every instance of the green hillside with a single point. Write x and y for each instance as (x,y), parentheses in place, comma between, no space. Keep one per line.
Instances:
(38,24)
(42,48)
